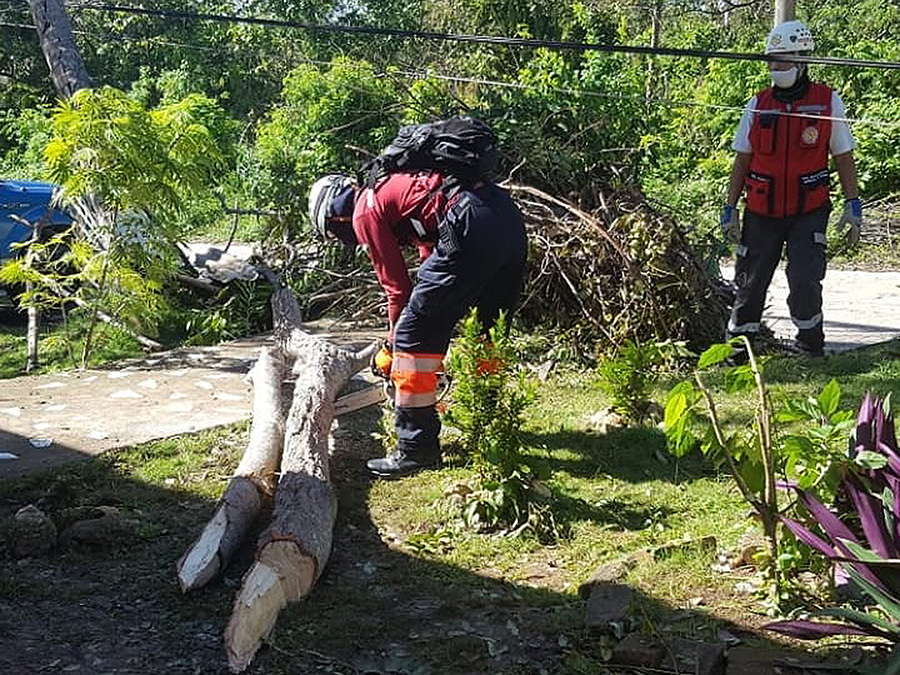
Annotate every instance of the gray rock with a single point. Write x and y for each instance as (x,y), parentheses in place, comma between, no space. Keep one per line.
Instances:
(608,603)
(109,527)
(611,572)
(638,650)
(33,533)
(698,658)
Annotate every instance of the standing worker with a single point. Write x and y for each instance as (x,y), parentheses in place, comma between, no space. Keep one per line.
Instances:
(472,239)
(782,144)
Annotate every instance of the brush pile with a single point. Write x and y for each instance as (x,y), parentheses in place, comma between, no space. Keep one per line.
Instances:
(622,271)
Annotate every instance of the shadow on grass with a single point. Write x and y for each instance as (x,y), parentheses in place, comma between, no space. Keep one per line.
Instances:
(115,607)
(636,454)
(875,368)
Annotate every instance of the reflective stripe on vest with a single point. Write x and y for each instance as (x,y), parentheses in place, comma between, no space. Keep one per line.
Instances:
(415,379)
(789,166)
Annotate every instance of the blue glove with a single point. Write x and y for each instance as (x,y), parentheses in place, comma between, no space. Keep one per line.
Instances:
(730,222)
(851,219)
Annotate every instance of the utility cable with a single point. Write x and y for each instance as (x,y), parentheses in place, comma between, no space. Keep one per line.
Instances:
(661,101)
(423,75)
(487,39)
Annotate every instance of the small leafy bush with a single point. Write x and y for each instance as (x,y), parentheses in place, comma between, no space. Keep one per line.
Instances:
(489,399)
(489,402)
(629,375)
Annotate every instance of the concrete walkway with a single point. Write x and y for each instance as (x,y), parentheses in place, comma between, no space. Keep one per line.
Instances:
(859,308)
(49,419)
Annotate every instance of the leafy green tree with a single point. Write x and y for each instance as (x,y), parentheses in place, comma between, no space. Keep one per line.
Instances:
(26,131)
(330,121)
(127,173)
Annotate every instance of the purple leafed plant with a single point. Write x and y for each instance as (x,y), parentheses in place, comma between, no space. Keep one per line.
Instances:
(871,482)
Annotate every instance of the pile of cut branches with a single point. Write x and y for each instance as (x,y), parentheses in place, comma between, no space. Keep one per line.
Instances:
(882,223)
(623,271)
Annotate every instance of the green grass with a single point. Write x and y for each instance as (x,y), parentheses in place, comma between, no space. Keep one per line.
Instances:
(54,354)
(617,494)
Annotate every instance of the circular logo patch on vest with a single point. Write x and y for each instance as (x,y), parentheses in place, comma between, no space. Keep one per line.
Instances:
(810,135)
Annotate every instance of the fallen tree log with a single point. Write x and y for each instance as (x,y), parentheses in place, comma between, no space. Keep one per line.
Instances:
(293,550)
(253,482)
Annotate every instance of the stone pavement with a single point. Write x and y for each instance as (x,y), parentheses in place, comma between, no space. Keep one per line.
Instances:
(859,308)
(49,419)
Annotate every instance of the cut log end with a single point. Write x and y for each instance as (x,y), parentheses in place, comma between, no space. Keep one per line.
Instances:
(296,569)
(282,574)
(213,549)
(255,610)
(201,561)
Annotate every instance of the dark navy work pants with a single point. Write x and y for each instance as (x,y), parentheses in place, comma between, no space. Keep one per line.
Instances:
(479,261)
(762,242)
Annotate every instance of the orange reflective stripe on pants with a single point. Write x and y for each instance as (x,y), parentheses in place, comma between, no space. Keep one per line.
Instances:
(415,380)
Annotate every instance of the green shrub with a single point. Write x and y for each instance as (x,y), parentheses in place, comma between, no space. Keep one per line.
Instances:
(629,375)
(489,402)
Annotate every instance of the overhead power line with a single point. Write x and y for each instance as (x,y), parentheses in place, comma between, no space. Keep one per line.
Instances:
(486,39)
(424,75)
(643,99)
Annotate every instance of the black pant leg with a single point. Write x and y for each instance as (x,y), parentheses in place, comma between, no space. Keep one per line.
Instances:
(805,271)
(758,254)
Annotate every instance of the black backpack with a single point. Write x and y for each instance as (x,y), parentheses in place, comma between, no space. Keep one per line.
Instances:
(462,149)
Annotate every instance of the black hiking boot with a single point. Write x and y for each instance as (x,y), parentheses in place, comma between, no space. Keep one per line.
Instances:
(739,354)
(400,463)
(804,350)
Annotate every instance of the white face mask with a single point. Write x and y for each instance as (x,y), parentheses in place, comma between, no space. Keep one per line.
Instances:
(784,79)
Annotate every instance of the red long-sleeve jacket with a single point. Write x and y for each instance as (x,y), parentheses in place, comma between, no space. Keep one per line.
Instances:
(402,210)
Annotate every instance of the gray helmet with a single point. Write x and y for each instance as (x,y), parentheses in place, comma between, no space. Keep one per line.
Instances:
(331,207)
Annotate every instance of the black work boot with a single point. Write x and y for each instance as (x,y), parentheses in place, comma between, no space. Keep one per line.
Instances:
(400,463)
(808,351)
(739,354)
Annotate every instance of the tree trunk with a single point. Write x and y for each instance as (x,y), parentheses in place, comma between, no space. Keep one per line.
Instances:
(293,550)
(69,74)
(253,482)
(63,58)
(32,360)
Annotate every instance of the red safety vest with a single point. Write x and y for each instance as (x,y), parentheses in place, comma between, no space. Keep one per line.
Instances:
(789,169)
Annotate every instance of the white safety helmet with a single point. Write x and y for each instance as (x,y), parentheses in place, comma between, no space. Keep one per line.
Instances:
(789,36)
(330,200)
